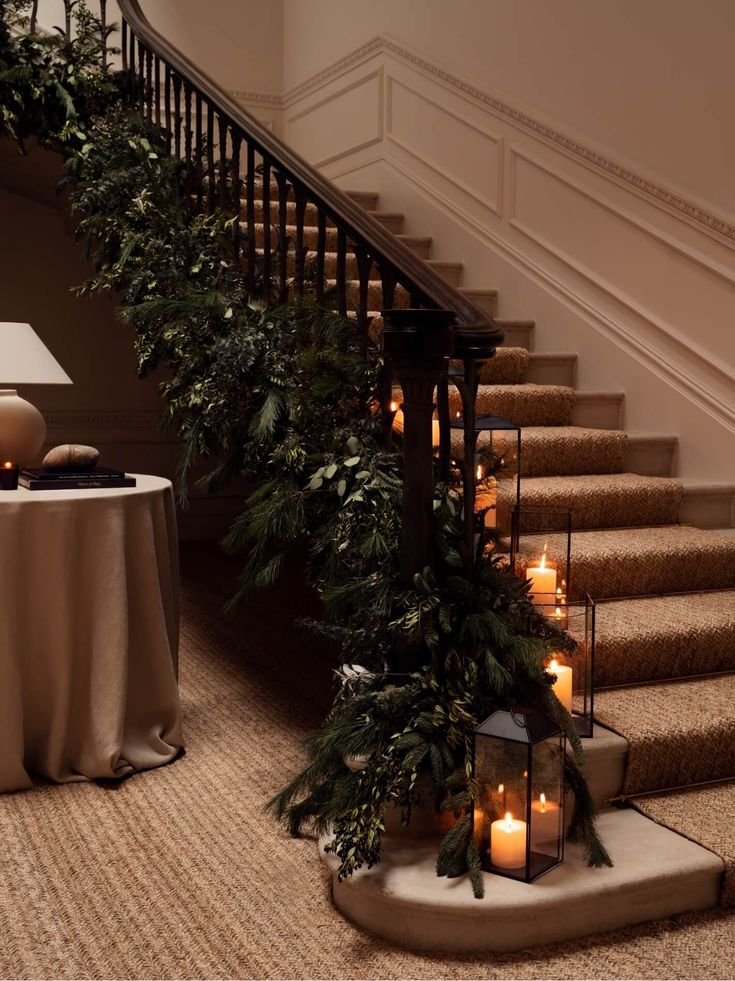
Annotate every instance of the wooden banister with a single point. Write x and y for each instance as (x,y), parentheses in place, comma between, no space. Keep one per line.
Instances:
(372,244)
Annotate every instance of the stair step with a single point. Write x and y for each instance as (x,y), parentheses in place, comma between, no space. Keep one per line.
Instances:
(392,221)
(661,637)
(704,815)
(508,366)
(486,300)
(642,561)
(651,454)
(366,199)
(599,500)
(678,733)
(525,405)
(552,369)
(598,410)
(657,874)
(708,505)
(420,245)
(518,333)
(558,450)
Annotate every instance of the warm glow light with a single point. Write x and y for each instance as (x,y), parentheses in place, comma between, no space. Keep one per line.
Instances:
(542,798)
(557,613)
(501,788)
(542,563)
(479,473)
(508,821)
(457,416)
(8,465)
(553,667)
(394,407)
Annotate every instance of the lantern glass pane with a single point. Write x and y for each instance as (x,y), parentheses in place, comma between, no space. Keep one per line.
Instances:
(572,660)
(546,806)
(541,546)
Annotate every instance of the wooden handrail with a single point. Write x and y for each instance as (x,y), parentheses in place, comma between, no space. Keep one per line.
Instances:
(369,240)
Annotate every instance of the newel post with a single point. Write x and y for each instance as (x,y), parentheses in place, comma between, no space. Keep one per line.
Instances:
(418,343)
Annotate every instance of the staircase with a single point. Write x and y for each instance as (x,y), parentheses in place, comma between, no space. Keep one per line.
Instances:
(657,553)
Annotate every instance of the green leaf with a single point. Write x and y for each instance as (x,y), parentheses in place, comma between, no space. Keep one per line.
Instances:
(341,488)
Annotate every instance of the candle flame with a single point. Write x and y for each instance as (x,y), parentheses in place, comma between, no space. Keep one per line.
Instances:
(557,613)
(542,798)
(458,414)
(558,591)
(501,788)
(508,821)
(394,407)
(542,564)
(479,473)
(8,465)
(553,667)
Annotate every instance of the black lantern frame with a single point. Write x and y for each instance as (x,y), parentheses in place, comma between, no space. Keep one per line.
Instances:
(541,540)
(518,823)
(573,661)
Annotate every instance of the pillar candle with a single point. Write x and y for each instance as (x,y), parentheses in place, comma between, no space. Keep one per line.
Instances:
(543,585)
(562,687)
(508,843)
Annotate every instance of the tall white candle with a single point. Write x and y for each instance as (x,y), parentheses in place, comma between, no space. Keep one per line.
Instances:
(563,686)
(508,843)
(543,582)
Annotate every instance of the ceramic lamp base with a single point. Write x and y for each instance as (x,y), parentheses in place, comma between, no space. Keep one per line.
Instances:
(22,429)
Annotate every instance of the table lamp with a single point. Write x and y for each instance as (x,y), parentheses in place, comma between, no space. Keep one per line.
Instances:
(24,360)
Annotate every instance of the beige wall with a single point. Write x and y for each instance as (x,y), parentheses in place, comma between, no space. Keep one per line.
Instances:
(651,81)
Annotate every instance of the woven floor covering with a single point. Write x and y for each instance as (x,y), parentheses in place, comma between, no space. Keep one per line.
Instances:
(665,637)
(679,733)
(525,405)
(177,873)
(704,814)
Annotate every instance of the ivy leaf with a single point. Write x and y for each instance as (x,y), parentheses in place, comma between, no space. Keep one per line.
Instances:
(352,462)
(341,488)
(331,471)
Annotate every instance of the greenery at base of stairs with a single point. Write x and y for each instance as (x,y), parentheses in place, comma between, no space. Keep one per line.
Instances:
(285,397)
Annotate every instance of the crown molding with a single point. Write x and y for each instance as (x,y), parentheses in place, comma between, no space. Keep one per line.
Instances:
(666,198)
(268,99)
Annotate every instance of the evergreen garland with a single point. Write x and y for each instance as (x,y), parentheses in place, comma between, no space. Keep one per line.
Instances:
(287,398)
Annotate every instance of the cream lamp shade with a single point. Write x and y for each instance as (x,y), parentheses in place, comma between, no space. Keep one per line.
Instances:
(24,360)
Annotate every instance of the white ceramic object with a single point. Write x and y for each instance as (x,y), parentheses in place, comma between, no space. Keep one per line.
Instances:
(22,429)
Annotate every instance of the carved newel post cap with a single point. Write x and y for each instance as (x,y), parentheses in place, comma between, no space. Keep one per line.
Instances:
(476,341)
(418,335)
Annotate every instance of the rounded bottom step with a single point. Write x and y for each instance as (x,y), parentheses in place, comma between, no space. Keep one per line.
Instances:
(657,874)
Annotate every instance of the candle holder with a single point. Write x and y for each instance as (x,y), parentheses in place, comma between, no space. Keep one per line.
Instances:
(518,823)
(495,503)
(9,476)
(541,551)
(573,660)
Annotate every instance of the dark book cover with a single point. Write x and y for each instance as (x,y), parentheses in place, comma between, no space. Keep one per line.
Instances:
(65,483)
(60,473)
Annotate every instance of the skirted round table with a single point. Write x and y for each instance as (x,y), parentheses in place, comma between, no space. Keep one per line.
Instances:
(89,620)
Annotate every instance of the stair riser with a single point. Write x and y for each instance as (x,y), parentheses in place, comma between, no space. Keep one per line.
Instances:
(518,336)
(598,411)
(393,223)
(487,301)
(547,370)
(649,457)
(708,510)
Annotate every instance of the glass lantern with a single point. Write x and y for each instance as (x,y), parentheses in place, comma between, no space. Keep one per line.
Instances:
(518,823)
(541,551)
(573,661)
(496,497)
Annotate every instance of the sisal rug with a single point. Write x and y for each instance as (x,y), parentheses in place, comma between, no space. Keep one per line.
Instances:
(678,733)
(704,814)
(507,367)
(665,637)
(177,873)
(602,501)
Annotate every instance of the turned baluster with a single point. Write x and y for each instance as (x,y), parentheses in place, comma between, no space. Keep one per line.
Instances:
(266,227)
(300,198)
(341,272)
(321,249)
(250,214)
(282,237)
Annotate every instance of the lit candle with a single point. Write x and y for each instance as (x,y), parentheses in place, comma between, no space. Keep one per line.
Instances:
(508,843)
(9,476)
(562,687)
(435,432)
(543,581)
(544,820)
(394,407)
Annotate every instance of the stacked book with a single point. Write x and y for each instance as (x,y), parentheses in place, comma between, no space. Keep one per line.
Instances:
(56,478)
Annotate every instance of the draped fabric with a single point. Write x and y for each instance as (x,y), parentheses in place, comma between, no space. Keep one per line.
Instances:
(89,620)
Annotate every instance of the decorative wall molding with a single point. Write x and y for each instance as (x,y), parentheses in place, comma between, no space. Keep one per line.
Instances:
(268,100)
(654,191)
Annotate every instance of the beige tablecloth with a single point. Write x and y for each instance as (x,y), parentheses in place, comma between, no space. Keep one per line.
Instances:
(88,633)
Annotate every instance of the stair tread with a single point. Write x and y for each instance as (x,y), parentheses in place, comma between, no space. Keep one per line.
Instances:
(672,636)
(678,733)
(642,561)
(606,500)
(562,450)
